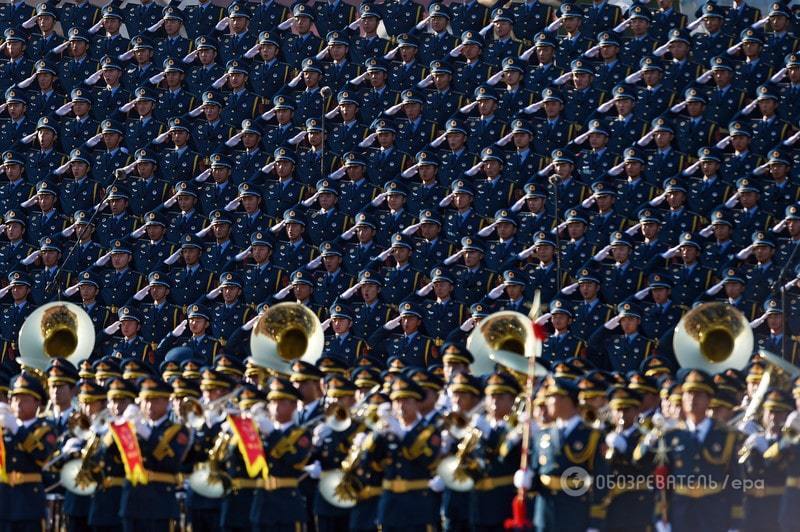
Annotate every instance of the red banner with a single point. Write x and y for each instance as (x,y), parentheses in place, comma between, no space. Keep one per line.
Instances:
(3,474)
(249,443)
(125,437)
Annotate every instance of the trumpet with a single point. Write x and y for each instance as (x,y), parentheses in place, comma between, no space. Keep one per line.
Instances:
(458,423)
(193,413)
(341,487)
(79,475)
(455,470)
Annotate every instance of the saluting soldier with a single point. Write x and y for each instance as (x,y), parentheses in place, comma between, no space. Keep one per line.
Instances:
(132,345)
(371,313)
(589,313)
(149,254)
(188,221)
(301,43)
(81,192)
(219,255)
(204,347)
(662,314)
(114,154)
(89,285)
(84,255)
(334,280)
(444,314)
(621,352)
(118,224)
(411,347)
(294,252)
(121,282)
(14,315)
(344,136)
(192,281)
(46,283)
(343,343)
(160,316)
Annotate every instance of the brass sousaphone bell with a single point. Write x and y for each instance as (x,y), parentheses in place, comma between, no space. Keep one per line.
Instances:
(287,332)
(55,330)
(713,337)
(505,338)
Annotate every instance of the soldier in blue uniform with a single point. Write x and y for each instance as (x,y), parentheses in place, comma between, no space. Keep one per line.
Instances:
(15,249)
(202,75)
(555,131)
(703,445)
(87,251)
(114,94)
(45,39)
(173,45)
(253,219)
(149,254)
(114,155)
(333,15)
(487,127)
(27,449)
(160,316)
(14,315)
(334,280)
(188,220)
(366,43)
(579,248)
(626,128)
(768,130)
(139,73)
(621,279)
(712,189)
(751,217)
(232,311)
(211,132)
(411,346)
(287,190)
(717,38)
(338,72)
(79,67)
(121,282)
(262,278)
(131,344)
(139,133)
(522,162)
(444,314)
(200,19)
(385,162)
(344,136)
(463,221)
(17,189)
(665,161)
(761,276)
(221,252)
(287,447)
(343,343)
(42,162)
(294,252)
(163,445)
(173,101)
(401,279)
(19,126)
(191,281)
(546,71)
(81,192)
(360,254)
(18,67)
(279,135)
(778,193)
(240,104)
(585,94)
(46,282)
(297,46)
(635,192)
(118,224)
(250,161)
(220,191)
(112,43)
(679,219)
(473,279)
(409,70)
(317,161)
(456,159)
(662,314)
(494,192)
(309,100)
(234,45)
(504,250)
(49,221)
(371,313)
(612,71)
(204,347)
(416,131)
(46,100)
(606,220)
(574,41)
(474,72)
(563,343)
(724,99)
(691,278)
(270,74)
(378,96)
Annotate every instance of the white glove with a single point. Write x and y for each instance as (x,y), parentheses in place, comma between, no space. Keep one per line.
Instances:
(359,439)
(131,412)
(321,432)
(265,425)
(592,530)
(482,424)
(663,526)
(177,331)
(392,425)
(757,441)
(750,427)
(313,470)
(142,428)
(436,484)
(650,440)
(212,418)
(616,441)
(73,445)
(523,479)
(793,421)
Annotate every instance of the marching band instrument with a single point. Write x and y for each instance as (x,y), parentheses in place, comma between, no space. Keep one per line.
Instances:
(713,337)
(55,330)
(340,487)
(193,412)
(506,338)
(77,475)
(207,478)
(287,332)
(338,418)
(453,469)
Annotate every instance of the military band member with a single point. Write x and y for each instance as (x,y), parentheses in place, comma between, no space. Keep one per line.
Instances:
(287,446)
(163,445)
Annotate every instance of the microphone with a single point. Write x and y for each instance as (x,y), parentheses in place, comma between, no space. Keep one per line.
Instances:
(325,91)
